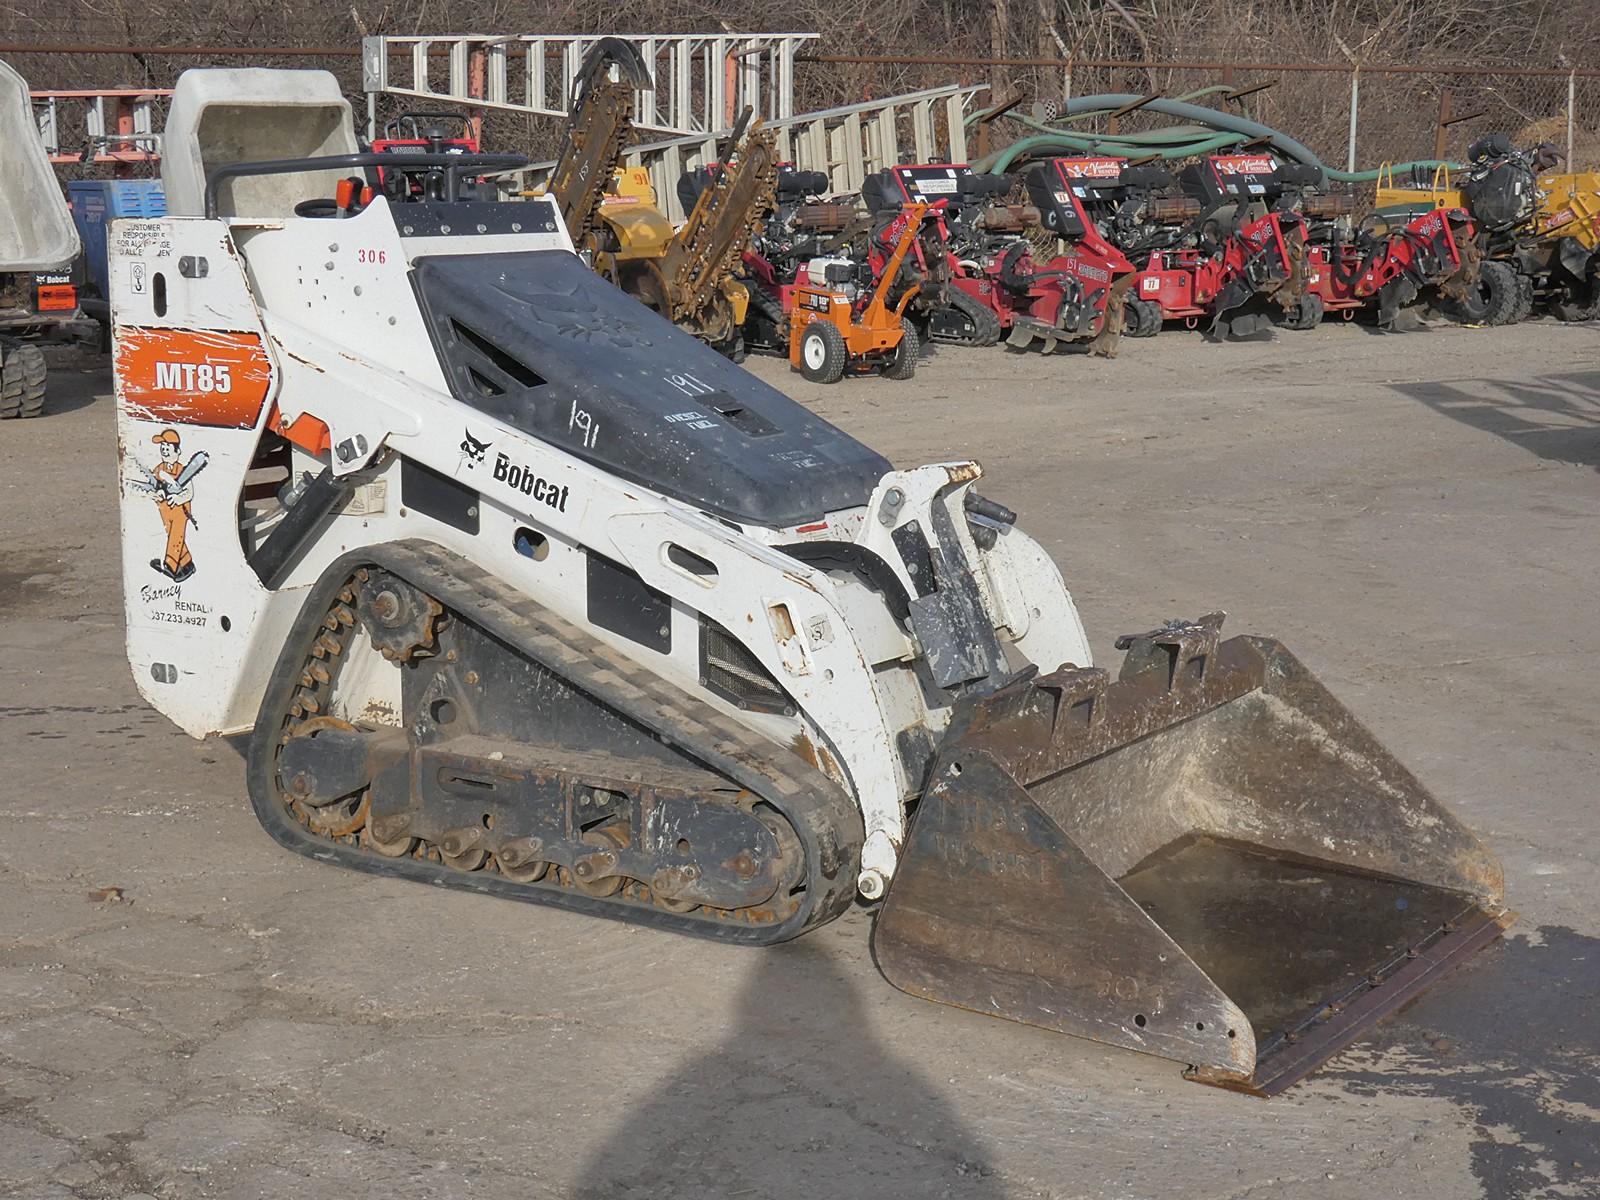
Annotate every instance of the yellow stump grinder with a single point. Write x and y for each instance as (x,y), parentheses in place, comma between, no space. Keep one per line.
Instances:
(522,590)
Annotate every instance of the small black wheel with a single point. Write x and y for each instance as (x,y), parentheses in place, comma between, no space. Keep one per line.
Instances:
(1574,303)
(903,361)
(1307,314)
(823,354)
(1524,303)
(1141,318)
(1505,293)
(1489,302)
(22,383)
(1155,315)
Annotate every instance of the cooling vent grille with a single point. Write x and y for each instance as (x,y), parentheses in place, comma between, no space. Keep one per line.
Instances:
(732,672)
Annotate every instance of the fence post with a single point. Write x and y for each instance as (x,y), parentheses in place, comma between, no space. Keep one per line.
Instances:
(1355,106)
(1572,100)
(1442,130)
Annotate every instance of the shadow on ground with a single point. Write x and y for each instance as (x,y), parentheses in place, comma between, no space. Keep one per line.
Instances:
(1514,1038)
(78,377)
(1556,417)
(798,1098)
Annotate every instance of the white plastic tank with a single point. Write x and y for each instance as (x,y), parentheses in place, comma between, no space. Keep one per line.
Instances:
(36,229)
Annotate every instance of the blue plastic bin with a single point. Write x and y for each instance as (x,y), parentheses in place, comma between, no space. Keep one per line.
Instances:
(96,203)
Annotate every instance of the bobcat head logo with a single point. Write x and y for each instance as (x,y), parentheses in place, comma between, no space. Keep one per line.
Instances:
(472,450)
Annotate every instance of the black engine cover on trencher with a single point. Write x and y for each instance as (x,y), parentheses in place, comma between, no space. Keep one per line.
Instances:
(535,338)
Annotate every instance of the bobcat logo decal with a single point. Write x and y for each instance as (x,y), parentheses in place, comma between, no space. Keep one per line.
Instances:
(472,450)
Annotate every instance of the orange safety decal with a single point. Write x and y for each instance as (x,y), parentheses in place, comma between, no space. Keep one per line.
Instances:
(57,298)
(193,376)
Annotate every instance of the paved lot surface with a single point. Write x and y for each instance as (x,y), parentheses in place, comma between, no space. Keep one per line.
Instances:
(1415,516)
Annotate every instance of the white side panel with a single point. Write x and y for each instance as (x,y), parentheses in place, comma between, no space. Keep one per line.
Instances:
(194,382)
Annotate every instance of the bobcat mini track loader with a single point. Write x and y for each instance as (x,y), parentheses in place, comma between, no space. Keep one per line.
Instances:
(522,590)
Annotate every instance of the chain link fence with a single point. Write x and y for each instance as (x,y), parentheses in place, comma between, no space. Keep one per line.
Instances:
(1351,117)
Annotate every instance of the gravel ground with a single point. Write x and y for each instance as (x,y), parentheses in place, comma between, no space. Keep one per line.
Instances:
(1413,515)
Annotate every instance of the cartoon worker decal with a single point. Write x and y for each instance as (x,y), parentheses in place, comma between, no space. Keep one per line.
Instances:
(170,484)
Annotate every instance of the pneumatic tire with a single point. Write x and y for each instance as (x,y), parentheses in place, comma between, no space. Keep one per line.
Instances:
(1525,296)
(1569,305)
(1141,319)
(903,362)
(22,383)
(1494,299)
(823,354)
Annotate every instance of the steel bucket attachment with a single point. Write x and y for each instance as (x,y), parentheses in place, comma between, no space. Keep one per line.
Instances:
(1208,860)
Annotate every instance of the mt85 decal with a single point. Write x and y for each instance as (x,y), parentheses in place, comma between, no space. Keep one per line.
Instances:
(193,377)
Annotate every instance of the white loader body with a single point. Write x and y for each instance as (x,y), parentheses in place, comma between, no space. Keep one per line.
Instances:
(300,317)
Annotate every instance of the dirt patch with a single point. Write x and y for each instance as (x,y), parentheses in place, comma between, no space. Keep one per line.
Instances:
(34,583)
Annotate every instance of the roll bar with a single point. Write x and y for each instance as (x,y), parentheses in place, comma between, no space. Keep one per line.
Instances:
(453,165)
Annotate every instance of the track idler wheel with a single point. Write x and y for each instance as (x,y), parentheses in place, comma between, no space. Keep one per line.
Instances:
(520,860)
(389,836)
(594,874)
(463,849)
(324,770)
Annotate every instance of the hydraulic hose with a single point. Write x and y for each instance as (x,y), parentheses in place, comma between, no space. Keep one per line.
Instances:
(1220,121)
(1208,130)
(1049,145)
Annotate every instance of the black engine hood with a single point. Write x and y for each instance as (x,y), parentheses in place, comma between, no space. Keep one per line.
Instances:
(539,341)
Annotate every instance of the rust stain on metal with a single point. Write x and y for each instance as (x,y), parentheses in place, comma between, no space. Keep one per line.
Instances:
(380,712)
(302,359)
(799,581)
(816,754)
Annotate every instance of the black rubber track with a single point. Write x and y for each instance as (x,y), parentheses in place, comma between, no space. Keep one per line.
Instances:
(985,323)
(770,309)
(824,817)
